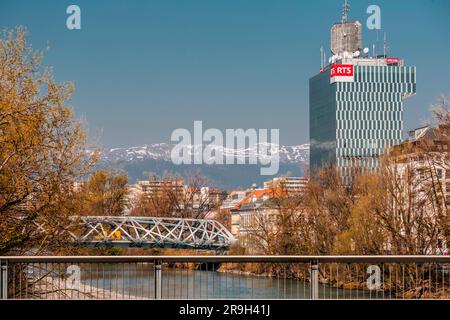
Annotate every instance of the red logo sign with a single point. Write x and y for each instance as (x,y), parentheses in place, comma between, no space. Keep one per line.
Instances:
(391,60)
(341,70)
(341,73)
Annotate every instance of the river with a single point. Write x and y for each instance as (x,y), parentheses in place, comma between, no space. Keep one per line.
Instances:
(137,281)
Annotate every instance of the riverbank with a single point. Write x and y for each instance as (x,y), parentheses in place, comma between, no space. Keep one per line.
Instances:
(422,290)
(50,288)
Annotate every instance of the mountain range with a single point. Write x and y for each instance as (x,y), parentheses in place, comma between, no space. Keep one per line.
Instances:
(156,158)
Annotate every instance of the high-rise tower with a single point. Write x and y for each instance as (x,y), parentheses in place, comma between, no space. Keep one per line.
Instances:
(356,104)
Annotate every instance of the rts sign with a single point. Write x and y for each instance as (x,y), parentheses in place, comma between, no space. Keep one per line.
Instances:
(341,73)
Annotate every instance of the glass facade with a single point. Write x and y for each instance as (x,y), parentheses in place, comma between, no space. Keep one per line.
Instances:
(352,123)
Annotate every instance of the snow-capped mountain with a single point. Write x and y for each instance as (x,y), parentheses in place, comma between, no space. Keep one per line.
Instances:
(156,158)
(162,151)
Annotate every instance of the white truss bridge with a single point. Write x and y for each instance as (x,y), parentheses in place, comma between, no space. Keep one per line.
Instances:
(150,232)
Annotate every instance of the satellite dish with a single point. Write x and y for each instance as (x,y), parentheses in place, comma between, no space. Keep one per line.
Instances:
(356,54)
(366,50)
(329,60)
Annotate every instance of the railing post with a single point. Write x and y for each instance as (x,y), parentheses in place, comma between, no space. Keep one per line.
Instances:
(158,274)
(3,280)
(314,284)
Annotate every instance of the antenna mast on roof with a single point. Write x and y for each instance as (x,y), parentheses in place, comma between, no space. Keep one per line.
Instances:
(345,11)
(386,47)
(321,58)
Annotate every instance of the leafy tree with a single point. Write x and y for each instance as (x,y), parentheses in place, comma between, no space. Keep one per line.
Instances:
(42,148)
(105,194)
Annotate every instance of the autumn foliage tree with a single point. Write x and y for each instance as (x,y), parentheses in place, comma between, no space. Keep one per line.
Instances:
(307,222)
(105,193)
(42,148)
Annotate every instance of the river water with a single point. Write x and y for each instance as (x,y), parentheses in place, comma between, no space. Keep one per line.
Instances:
(138,282)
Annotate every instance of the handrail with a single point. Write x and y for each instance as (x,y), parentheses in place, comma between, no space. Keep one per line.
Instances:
(433,264)
(229,259)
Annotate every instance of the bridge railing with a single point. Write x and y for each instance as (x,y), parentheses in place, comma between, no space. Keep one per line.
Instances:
(225,277)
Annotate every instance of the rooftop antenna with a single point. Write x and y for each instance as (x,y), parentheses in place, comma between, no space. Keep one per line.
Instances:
(375,47)
(386,47)
(321,57)
(345,11)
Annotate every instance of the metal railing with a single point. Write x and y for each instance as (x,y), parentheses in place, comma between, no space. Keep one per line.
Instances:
(225,277)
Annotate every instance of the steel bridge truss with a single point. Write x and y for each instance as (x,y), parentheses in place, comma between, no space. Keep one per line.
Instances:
(151,232)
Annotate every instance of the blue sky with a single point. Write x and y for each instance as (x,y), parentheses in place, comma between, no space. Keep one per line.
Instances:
(144,68)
